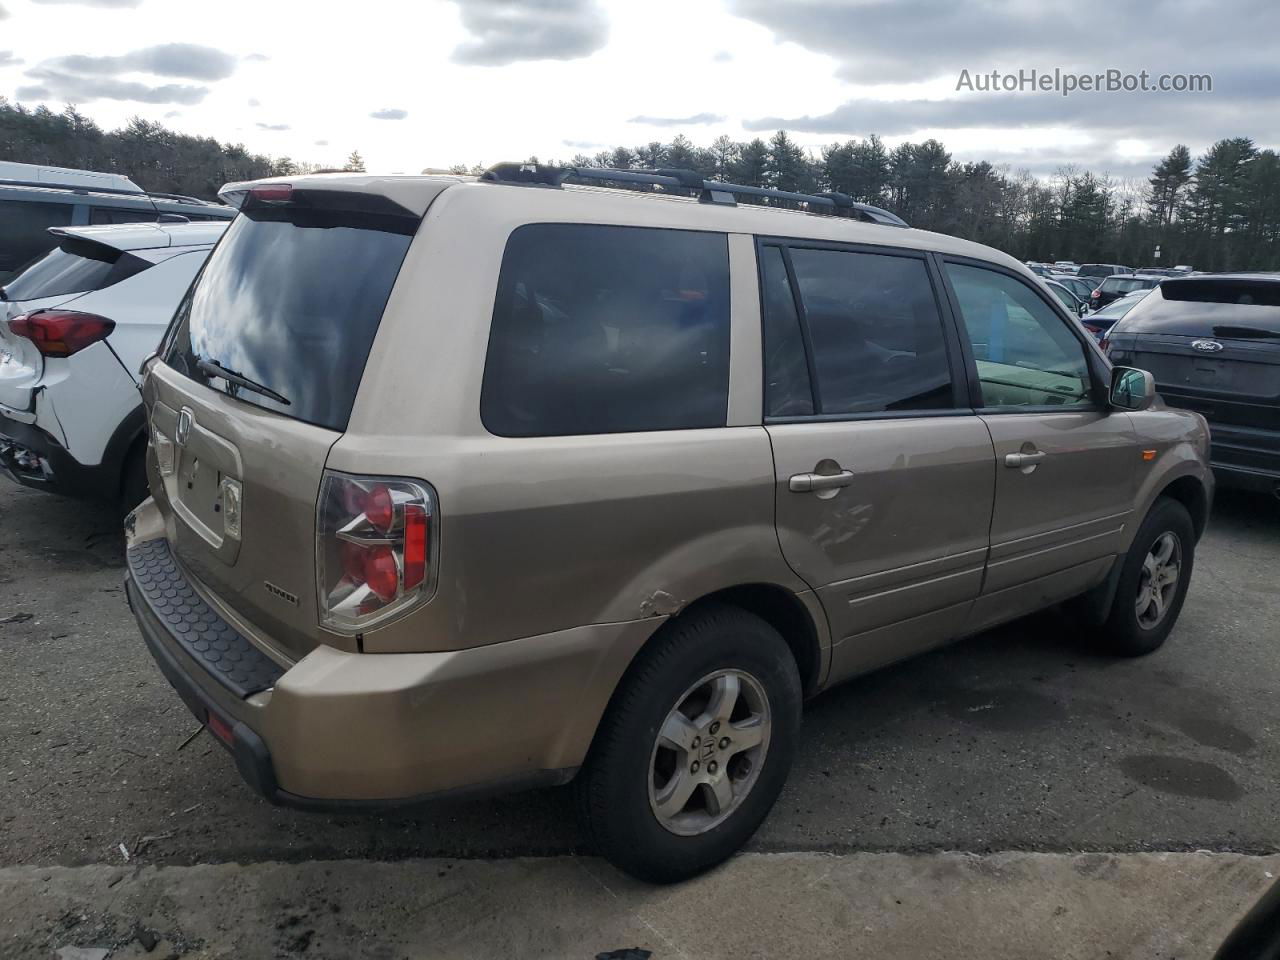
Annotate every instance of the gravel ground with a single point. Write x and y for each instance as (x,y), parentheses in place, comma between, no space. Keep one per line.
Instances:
(1015,740)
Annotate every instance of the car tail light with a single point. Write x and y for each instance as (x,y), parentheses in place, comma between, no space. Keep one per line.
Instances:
(60,333)
(165,453)
(1093,328)
(376,543)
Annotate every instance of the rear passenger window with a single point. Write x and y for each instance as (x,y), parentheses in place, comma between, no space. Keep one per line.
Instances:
(875,331)
(601,329)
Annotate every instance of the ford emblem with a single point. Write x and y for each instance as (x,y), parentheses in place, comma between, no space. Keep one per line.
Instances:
(1206,346)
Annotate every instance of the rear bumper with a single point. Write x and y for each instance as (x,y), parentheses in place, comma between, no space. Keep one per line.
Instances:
(1246,457)
(32,457)
(352,729)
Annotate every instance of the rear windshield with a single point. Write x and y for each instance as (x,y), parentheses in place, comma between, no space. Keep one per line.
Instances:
(74,266)
(1227,307)
(291,299)
(1241,292)
(1124,284)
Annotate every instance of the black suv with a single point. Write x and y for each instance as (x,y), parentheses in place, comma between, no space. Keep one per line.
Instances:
(29,207)
(1213,345)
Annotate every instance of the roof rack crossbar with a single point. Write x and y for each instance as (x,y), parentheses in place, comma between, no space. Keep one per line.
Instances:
(710,191)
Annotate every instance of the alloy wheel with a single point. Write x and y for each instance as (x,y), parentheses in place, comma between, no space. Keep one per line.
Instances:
(1158,583)
(709,752)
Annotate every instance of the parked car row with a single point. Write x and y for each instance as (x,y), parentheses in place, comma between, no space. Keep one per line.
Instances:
(1212,342)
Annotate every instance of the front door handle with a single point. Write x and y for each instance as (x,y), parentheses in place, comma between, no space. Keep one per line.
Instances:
(1017,461)
(809,482)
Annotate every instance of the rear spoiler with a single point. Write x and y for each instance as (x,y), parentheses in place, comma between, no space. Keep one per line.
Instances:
(411,194)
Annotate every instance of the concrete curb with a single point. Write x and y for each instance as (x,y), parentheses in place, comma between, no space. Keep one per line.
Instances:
(949,905)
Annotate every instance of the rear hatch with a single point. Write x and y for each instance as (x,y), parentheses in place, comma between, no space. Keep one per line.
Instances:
(75,267)
(290,300)
(1213,345)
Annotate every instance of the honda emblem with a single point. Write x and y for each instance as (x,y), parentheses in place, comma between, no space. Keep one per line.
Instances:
(185,419)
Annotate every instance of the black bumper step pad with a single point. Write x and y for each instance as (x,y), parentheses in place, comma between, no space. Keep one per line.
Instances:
(212,642)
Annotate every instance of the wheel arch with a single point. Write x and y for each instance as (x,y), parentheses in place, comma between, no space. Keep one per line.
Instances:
(1189,491)
(802,625)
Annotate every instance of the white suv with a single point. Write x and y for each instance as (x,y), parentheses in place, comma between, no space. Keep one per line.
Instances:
(75,326)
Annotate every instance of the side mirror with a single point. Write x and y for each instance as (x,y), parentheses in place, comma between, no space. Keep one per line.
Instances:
(1132,389)
(1082,309)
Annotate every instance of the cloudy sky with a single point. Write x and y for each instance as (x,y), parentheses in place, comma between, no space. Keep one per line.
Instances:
(434,82)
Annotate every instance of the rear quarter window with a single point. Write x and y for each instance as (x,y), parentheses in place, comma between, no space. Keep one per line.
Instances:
(604,329)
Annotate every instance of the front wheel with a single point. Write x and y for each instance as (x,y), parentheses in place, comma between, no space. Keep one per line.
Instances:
(1153,582)
(695,747)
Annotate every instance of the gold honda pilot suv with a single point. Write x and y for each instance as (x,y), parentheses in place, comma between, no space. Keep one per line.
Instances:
(476,483)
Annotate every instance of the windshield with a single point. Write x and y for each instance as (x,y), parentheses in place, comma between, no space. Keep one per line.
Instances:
(291,300)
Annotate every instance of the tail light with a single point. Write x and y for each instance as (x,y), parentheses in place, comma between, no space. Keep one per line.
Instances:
(376,541)
(60,333)
(1093,328)
(1097,294)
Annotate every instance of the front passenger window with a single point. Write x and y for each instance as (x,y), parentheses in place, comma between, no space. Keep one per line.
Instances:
(1026,355)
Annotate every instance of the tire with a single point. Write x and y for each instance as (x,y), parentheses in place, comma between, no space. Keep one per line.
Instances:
(1128,632)
(133,480)
(704,654)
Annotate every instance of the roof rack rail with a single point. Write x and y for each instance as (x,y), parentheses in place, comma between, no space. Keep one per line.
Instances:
(709,191)
(109,191)
(180,198)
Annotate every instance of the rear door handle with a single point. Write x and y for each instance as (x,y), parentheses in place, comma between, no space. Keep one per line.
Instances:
(809,482)
(1018,460)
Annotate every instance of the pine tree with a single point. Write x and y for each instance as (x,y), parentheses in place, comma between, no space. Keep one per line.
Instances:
(751,166)
(1168,182)
(788,167)
(355,163)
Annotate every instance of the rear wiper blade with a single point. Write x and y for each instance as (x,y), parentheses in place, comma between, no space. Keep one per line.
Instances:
(213,368)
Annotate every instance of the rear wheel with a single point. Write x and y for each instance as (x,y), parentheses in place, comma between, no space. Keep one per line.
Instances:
(1153,582)
(695,747)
